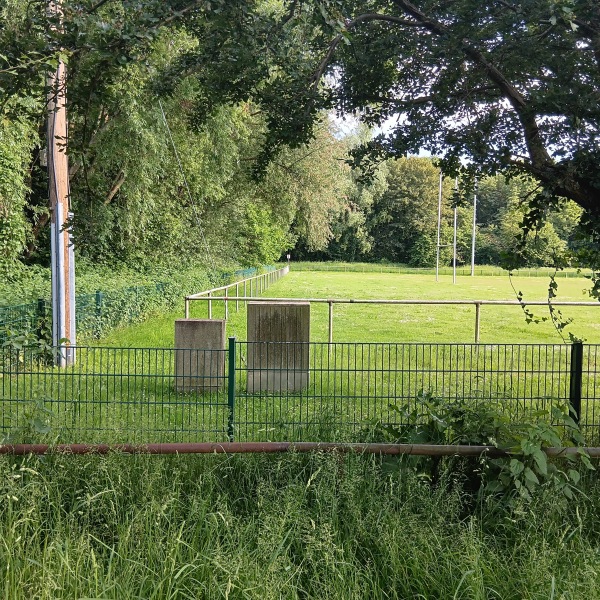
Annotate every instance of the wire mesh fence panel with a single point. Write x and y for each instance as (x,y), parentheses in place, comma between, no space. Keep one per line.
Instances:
(20,319)
(264,391)
(111,395)
(590,395)
(349,385)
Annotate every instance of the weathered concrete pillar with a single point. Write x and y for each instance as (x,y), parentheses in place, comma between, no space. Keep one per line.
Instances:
(278,349)
(199,354)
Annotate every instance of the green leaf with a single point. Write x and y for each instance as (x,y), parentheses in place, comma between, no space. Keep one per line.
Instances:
(541,461)
(495,486)
(531,476)
(516,467)
(40,426)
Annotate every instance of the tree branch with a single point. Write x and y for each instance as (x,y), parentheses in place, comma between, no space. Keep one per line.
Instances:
(537,151)
(365,18)
(116,186)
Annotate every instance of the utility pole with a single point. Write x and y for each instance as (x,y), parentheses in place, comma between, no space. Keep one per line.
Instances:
(439,225)
(62,255)
(454,240)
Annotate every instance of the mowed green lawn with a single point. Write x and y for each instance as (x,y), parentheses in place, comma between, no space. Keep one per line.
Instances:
(385,323)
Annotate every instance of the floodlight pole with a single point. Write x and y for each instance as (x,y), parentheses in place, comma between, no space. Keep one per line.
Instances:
(62,255)
(439,224)
(454,240)
(474,230)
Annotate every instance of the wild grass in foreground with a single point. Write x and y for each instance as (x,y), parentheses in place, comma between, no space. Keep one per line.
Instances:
(289,526)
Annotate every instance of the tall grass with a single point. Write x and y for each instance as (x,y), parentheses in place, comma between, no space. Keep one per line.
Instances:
(270,527)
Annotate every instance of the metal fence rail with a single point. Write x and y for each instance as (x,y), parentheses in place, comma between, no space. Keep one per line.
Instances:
(98,312)
(120,395)
(252,286)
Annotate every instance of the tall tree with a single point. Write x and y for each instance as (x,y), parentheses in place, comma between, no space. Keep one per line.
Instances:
(507,86)
(404,218)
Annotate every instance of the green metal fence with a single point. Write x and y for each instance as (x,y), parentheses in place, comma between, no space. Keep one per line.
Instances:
(133,395)
(98,312)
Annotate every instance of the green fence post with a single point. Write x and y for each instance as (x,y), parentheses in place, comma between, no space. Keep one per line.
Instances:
(576,379)
(98,313)
(231,387)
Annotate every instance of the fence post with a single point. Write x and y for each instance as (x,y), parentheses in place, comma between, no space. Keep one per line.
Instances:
(576,379)
(477,320)
(231,387)
(41,317)
(98,313)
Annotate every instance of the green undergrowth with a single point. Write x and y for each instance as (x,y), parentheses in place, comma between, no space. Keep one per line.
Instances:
(33,282)
(288,526)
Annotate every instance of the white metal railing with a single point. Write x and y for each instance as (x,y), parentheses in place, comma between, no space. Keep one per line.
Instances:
(255,285)
(331,301)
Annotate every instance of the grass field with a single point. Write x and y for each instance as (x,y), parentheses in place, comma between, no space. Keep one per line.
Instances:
(297,527)
(369,323)
(129,395)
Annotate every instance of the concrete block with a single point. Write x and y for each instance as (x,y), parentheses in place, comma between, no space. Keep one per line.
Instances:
(278,348)
(199,354)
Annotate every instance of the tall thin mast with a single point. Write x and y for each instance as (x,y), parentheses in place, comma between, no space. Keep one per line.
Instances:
(474,230)
(454,240)
(439,225)
(62,256)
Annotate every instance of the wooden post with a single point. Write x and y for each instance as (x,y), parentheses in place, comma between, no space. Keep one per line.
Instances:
(62,256)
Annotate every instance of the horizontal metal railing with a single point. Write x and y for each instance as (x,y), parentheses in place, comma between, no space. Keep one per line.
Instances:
(98,312)
(251,285)
(383,302)
(292,392)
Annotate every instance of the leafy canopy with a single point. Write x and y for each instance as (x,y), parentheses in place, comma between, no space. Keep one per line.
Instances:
(500,86)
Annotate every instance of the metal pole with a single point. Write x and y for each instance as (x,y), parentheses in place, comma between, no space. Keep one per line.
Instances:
(474,231)
(454,239)
(209,305)
(231,388)
(576,379)
(187,308)
(477,320)
(237,293)
(454,247)
(330,322)
(439,226)
(272,447)
(62,256)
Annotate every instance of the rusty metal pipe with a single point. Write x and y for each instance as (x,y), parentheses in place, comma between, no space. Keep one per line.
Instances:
(278,447)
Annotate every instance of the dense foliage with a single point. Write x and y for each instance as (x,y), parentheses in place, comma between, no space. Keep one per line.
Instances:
(175,108)
(507,86)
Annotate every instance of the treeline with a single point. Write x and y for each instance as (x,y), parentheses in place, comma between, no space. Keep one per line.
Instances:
(154,180)
(152,183)
(397,222)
